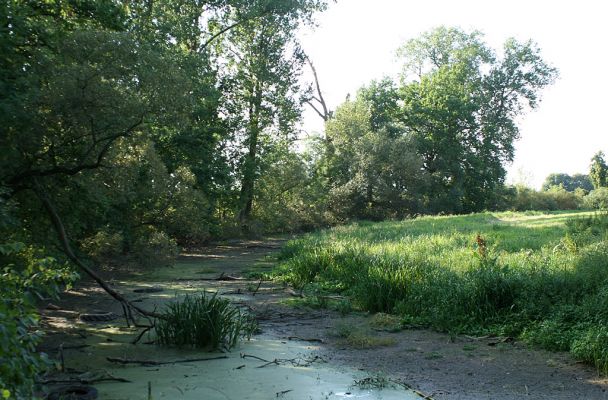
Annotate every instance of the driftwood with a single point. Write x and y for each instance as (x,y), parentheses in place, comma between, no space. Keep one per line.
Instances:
(125,361)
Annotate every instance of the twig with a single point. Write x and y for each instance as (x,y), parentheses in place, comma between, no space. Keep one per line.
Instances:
(151,363)
(138,338)
(243,355)
(296,362)
(257,288)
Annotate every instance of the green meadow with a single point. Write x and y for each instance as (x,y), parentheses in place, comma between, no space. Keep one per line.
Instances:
(538,277)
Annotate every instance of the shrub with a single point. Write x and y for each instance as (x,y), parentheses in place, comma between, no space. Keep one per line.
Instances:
(155,248)
(592,347)
(521,198)
(597,199)
(25,275)
(205,322)
(104,246)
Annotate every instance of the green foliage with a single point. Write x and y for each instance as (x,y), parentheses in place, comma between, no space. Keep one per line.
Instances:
(597,199)
(599,171)
(203,321)
(462,106)
(505,273)
(104,247)
(155,249)
(522,198)
(371,167)
(25,276)
(569,183)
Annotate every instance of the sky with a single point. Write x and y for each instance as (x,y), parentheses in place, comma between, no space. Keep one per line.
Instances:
(356,41)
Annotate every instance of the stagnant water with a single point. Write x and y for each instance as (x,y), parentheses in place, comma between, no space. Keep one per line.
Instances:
(238,376)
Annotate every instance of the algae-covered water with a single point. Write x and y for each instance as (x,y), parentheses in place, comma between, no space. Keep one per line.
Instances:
(302,372)
(238,376)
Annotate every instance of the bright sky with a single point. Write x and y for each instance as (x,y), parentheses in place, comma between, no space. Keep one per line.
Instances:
(356,41)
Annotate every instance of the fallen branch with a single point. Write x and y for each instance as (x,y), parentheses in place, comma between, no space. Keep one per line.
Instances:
(83,381)
(67,249)
(296,362)
(262,246)
(315,340)
(222,277)
(141,334)
(125,361)
(86,378)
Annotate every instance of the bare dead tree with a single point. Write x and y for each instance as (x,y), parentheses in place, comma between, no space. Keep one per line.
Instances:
(317,101)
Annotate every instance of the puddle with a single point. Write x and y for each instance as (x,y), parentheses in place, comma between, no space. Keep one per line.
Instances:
(231,378)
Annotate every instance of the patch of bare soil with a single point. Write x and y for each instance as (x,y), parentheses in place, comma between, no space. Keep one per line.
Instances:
(438,365)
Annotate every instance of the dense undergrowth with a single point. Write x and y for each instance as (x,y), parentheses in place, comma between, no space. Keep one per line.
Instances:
(540,277)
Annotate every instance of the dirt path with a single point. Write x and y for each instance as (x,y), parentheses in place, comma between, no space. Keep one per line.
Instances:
(438,365)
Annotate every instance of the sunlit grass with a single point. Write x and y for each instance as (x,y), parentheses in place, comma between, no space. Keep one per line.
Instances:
(531,275)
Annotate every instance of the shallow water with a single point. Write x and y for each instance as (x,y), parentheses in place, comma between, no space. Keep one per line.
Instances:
(232,378)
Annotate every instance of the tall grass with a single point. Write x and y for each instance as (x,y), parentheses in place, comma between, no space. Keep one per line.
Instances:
(540,277)
(203,321)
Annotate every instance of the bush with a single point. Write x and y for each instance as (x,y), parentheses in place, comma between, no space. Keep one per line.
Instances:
(155,248)
(204,322)
(104,246)
(25,276)
(592,347)
(522,198)
(597,199)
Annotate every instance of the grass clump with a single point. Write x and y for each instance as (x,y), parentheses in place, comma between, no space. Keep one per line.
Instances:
(204,321)
(540,277)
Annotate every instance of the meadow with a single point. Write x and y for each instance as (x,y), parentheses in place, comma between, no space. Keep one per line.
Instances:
(537,277)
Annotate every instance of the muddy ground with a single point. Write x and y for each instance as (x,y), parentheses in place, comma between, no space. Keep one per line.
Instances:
(436,365)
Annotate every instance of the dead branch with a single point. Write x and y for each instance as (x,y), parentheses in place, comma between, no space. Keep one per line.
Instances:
(125,361)
(222,277)
(296,362)
(324,113)
(314,340)
(83,381)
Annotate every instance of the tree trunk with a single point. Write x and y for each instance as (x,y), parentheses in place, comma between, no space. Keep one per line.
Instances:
(250,164)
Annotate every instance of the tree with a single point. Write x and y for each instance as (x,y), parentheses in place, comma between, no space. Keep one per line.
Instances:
(599,170)
(263,63)
(462,106)
(568,182)
(371,166)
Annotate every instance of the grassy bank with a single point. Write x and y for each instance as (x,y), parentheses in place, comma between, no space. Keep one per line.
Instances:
(540,277)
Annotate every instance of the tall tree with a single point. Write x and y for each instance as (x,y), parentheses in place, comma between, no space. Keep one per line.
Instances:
(462,104)
(371,166)
(263,63)
(599,170)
